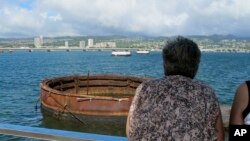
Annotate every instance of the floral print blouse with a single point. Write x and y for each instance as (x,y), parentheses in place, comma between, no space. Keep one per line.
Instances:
(173,108)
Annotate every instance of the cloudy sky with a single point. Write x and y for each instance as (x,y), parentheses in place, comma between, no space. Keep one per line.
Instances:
(28,18)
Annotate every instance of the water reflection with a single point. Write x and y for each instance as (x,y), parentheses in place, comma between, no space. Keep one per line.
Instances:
(91,124)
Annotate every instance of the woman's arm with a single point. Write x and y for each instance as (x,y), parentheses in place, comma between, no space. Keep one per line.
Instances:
(239,105)
(219,129)
(132,108)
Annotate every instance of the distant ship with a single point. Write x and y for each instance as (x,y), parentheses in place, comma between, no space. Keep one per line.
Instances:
(10,51)
(142,52)
(121,53)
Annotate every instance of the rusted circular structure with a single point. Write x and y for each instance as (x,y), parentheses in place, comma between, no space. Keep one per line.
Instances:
(91,95)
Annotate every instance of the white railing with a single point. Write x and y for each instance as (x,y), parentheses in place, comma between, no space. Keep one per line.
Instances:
(53,134)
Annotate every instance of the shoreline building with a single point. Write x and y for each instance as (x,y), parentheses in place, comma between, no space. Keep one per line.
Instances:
(106,45)
(66,44)
(90,43)
(82,44)
(38,41)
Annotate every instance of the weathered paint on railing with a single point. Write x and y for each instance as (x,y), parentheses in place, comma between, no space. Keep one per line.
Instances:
(53,134)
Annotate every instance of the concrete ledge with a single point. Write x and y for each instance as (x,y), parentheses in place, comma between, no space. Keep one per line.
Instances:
(225,112)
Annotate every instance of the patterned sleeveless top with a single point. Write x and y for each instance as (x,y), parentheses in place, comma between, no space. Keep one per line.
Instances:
(173,108)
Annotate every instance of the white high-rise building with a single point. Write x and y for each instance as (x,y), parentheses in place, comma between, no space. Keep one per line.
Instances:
(66,44)
(41,39)
(90,42)
(38,41)
(82,44)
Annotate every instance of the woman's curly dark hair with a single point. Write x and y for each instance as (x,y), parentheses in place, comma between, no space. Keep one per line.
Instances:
(181,56)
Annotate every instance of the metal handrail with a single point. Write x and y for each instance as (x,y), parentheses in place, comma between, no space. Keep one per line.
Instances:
(53,134)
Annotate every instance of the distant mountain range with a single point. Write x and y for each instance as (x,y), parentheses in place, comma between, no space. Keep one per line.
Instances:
(214,37)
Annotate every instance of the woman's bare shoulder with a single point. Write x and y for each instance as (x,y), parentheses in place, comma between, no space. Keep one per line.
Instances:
(242,91)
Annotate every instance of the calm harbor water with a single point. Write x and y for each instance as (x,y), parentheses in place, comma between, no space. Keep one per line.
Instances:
(21,72)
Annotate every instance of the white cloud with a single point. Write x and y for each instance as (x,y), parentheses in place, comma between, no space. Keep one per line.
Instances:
(20,21)
(53,17)
(150,17)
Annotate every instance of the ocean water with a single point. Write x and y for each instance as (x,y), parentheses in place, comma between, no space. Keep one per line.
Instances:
(21,73)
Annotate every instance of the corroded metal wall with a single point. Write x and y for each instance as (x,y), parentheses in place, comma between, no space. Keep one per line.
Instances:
(103,95)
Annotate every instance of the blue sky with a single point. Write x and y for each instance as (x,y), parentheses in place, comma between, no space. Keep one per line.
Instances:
(25,5)
(28,18)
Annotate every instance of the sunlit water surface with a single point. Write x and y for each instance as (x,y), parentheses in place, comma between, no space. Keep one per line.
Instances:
(21,72)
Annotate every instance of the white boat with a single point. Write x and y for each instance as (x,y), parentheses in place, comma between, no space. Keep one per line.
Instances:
(142,51)
(121,53)
(50,50)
